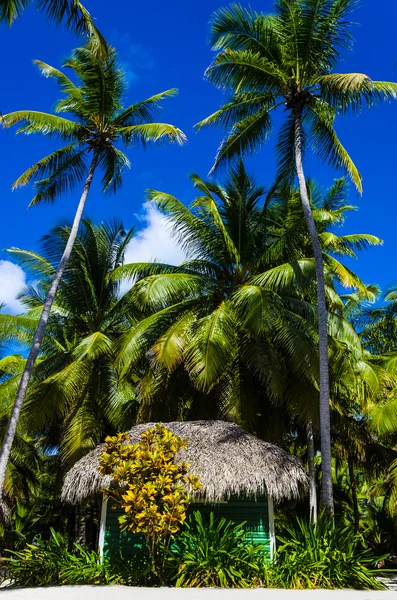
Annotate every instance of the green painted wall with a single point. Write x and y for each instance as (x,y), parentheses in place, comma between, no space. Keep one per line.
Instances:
(255,512)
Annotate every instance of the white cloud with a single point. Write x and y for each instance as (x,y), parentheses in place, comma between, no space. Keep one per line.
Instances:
(12,282)
(154,242)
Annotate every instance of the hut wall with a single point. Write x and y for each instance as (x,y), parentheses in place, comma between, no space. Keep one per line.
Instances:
(258,514)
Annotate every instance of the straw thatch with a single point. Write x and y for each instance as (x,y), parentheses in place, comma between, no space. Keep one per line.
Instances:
(227,459)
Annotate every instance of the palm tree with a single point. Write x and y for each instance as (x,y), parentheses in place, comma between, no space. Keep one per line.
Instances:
(287,61)
(235,321)
(75,397)
(292,241)
(98,123)
(193,333)
(72,12)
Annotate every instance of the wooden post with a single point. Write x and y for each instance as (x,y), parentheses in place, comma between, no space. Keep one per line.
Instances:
(272,532)
(102,526)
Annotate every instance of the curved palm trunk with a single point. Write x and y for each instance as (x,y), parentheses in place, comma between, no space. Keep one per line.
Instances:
(312,473)
(325,417)
(9,435)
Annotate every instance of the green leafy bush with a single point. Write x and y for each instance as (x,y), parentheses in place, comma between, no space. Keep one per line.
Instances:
(47,563)
(216,553)
(322,556)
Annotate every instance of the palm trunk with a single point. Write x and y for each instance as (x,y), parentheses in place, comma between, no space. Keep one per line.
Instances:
(9,435)
(81,526)
(350,464)
(325,416)
(312,473)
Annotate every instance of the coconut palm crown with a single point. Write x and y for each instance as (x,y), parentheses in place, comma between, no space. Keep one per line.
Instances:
(98,123)
(287,60)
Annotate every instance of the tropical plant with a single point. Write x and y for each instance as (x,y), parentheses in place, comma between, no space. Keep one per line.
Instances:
(377,327)
(49,563)
(98,123)
(322,556)
(35,514)
(288,60)
(151,486)
(72,12)
(216,553)
(21,478)
(75,397)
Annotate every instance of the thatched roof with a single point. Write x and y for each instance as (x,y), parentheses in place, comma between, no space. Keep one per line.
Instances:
(227,459)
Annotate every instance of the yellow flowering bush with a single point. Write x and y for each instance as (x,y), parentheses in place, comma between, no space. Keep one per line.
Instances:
(150,486)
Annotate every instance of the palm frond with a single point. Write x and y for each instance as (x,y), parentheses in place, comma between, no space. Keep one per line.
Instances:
(92,347)
(353,91)
(77,18)
(67,86)
(208,203)
(347,245)
(132,271)
(244,137)
(32,262)
(143,111)
(328,146)
(285,151)
(345,276)
(39,122)
(12,9)
(136,342)
(46,166)
(113,162)
(212,347)
(151,132)
(167,351)
(68,169)
(244,71)
(240,106)
(238,28)
(158,290)
(286,277)
(191,232)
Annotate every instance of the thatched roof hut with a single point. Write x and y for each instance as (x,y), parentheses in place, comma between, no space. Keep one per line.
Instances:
(228,460)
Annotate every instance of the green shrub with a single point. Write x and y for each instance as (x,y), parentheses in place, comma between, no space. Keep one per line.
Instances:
(47,563)
(216,553)
(322,556)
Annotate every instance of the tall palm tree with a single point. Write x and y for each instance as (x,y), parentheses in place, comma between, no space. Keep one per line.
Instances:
(97,124)
(292,241)
(72,12)
(287,60)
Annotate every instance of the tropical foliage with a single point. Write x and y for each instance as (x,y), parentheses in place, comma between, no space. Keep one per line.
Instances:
(215,553)
(265,323)
(47,563)
(322,556)
(76,398)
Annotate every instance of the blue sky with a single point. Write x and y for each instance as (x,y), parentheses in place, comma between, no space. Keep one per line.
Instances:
(164,45)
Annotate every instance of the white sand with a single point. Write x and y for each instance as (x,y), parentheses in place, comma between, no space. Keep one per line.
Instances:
(129,593)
